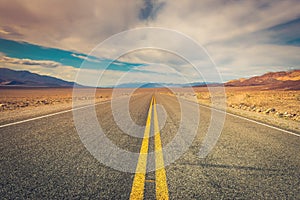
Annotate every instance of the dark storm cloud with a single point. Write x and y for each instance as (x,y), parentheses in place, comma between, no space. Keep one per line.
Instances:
(150,9)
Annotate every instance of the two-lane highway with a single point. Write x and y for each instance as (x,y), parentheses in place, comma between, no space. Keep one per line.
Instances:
(45,158)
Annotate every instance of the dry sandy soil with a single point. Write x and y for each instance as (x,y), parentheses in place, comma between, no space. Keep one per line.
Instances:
(276,107)
(22,103)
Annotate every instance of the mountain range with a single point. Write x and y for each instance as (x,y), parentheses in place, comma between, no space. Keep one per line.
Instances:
(286,80)
(9,77)
(14,78)
(159,85)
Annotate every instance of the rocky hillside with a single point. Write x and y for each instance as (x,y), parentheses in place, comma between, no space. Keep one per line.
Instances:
(273,80)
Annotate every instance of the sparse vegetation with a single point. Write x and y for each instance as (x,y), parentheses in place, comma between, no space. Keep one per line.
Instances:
(278,107)
(14,99)
(256,101)
(199,96)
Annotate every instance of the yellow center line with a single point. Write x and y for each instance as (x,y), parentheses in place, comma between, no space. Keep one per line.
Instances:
(137,191)
(160,173)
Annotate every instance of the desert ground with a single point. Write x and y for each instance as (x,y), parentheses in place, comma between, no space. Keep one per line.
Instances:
(276,107)
(20,103)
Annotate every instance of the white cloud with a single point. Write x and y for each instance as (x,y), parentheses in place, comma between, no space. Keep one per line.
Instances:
(42,67)
(81,26)
(68,24)
(254,59)
(87,58)
(215,20)
(42,63)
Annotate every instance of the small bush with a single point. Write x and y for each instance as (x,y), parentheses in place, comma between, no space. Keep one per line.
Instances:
(199,96)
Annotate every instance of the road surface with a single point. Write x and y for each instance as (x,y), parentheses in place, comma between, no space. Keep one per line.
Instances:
(45,159)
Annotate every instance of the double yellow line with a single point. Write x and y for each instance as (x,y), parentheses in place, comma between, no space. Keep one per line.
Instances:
(137,191)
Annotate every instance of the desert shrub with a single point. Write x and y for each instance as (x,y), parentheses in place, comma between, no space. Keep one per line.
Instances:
(199,95)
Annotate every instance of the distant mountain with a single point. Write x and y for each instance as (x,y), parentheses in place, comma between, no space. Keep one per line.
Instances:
(158,85)
(10,77)
(289,80)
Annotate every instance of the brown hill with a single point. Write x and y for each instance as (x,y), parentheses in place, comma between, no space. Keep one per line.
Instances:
(12,78)
(289,80)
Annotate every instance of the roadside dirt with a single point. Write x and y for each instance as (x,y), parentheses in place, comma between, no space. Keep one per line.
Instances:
(275,107)
(22,103)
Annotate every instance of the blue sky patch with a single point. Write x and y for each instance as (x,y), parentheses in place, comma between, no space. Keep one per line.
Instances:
(24,50)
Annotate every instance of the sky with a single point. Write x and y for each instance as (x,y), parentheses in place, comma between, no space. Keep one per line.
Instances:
(242,38)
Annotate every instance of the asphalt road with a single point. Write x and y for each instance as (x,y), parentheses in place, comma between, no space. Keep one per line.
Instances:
(45,158)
